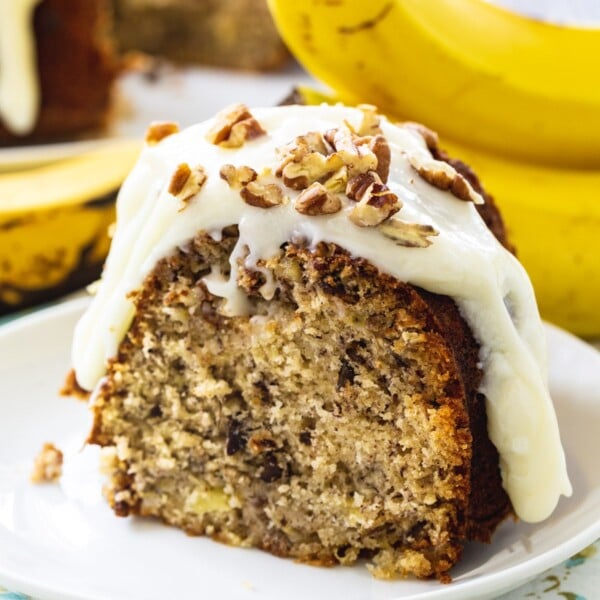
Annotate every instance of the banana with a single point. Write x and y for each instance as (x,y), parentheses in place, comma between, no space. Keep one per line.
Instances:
(478,74)
(553,218)
(54,221)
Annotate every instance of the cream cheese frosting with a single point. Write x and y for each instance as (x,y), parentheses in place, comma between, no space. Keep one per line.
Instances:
(19,85)
(464,261)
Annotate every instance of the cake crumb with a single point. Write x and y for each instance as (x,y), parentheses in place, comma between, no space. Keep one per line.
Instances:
(47,467)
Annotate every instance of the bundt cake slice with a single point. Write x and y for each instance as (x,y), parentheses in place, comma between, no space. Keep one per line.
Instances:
(339,420)
(57,67)
(280,361)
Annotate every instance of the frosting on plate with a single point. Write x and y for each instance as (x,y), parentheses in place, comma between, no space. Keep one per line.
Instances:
(461,259)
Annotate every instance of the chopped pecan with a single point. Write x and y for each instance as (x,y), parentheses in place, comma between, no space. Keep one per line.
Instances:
(312,167)
(262,195)
(462,189)
(318,200)
(370,121)
(375,209)
(357,158)
(410,235)
(381,149)
(160,130)
(376,202)
(338,181)
(237,177)
(301,146)
(305,160)
(329,136)
(233,126)
(359,184)
(445,177)
(186,182)
(331,158)
(314,142)
(430,137)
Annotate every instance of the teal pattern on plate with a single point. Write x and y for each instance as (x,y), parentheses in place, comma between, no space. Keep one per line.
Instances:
(6,595)
(577,578)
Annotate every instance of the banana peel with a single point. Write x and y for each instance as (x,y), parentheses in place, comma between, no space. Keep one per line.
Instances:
(54,224)
(481,75)
(514,97)
(553,218)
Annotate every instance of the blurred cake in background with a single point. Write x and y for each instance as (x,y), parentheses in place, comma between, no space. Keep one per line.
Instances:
(226,33)
(57,66)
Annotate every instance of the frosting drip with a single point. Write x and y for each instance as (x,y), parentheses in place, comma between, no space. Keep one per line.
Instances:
(465,261)
(19,85)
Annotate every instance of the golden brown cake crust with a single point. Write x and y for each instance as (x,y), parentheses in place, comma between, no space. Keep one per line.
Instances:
(76,66)
(212,432)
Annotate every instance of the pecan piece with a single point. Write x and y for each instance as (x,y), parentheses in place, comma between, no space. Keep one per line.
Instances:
(359,184)
(262,195)
(318,200)
(160,130)
(444,177)
(186,182)
(430,137)
(338,181)
(233,126)
(376,203)
(381,149)
(370,121)
(312,167)
(237,177)
(357,158)
(410,235)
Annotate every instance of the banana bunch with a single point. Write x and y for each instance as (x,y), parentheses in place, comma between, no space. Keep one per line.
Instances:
(54,221)
(515,98)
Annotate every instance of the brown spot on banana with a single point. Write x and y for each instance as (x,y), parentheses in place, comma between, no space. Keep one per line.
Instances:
(369,23)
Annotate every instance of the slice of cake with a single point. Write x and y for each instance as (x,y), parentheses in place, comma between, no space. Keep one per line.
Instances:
(306,339)
(56,68)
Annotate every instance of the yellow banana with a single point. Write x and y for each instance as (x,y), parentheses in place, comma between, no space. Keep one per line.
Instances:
(54,221)
(553,218)
(477,73)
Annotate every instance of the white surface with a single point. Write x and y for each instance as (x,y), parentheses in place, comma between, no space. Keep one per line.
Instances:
(582,13)
(185,95)
(61,542)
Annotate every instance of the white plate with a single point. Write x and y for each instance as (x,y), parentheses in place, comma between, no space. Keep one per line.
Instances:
(62,542)
(186,95)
